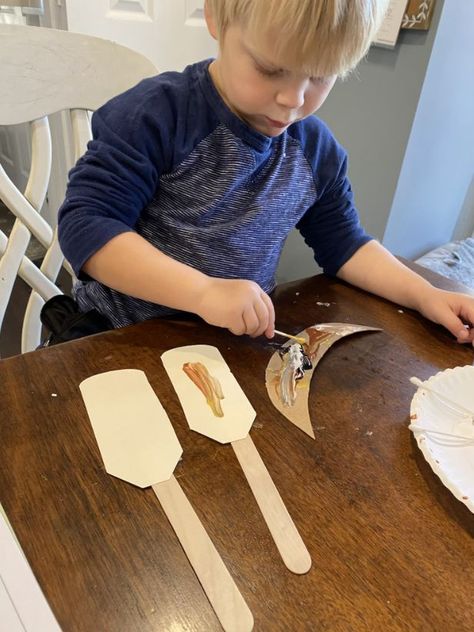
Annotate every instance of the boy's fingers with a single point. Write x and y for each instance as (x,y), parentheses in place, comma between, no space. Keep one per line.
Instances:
(467,312)
(259,314)
(270,329)
(465,335)
(252,321)
(456,327)
(238,327)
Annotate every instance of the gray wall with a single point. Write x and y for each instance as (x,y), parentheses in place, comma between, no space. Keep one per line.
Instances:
(434,200)
(465,225)
(372,114)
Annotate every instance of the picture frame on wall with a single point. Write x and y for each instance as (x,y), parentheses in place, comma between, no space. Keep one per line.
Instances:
(418,15)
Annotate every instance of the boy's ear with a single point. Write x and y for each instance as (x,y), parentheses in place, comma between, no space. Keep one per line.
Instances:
(211,24)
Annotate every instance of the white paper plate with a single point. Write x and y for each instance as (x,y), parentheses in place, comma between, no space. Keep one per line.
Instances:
(453,464)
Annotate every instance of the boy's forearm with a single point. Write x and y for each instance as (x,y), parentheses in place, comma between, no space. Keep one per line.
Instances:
(376,270)
(130,264)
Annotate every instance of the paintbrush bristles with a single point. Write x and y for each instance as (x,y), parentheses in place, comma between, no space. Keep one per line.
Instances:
(299,339)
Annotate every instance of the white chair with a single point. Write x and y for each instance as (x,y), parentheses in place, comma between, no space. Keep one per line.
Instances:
(43,71)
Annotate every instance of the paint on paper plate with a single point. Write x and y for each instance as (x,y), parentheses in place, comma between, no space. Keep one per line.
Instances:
(289,372)
(209,386)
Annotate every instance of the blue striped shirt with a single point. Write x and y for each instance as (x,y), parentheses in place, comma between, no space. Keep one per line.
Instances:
(172,162)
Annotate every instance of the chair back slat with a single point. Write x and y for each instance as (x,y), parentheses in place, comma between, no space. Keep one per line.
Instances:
(10,262)
(81,130)
(50,267)
(30,273)
(27,207)
(31,330)
(17,203)
(41,161)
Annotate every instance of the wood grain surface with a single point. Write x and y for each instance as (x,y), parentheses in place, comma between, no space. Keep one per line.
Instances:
(392,549)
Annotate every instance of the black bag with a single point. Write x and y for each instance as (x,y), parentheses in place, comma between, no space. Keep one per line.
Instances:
(63,320)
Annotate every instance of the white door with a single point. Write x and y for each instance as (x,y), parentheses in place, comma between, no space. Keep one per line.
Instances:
(171,33)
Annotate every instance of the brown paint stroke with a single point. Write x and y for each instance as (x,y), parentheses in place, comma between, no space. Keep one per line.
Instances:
(209,386)
(315,338)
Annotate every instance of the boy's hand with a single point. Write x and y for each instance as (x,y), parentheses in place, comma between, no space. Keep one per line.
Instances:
(450,309)
(374,269)
(238,305)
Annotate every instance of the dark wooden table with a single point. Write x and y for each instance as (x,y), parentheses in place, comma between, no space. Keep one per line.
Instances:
(392,549)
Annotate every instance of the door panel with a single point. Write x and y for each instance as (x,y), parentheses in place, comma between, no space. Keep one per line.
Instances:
(171,33)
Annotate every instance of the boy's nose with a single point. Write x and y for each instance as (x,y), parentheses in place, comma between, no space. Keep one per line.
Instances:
(292,95)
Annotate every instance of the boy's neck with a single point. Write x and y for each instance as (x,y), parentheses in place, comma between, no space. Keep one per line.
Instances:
(215,78)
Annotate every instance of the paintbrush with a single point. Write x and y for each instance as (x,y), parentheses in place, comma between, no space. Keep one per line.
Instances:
(299,339)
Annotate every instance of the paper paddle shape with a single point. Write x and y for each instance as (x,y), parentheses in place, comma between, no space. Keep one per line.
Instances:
(138,444)
(289,372)
(215,406)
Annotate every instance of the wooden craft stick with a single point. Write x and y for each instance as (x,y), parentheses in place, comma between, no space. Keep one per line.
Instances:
(292,549)
(223,594)
(299,339)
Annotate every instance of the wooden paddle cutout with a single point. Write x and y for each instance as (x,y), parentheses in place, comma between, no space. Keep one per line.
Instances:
(289,371)
(215,406)
(138,444)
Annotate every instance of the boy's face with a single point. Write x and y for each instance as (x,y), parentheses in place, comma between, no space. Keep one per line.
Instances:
(259,89)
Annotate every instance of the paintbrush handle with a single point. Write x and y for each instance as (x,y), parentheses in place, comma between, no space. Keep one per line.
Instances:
(299,339)
(287,539)
(220,588)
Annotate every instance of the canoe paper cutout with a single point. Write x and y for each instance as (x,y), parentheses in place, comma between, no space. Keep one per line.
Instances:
(289,372)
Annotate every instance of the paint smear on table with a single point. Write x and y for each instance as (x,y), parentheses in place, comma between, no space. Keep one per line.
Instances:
(209,386)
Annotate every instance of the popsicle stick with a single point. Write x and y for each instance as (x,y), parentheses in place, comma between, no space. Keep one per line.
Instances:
(299,339)
(292,549)
(223,594)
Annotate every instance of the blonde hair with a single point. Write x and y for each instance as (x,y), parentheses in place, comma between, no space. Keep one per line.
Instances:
(319,37)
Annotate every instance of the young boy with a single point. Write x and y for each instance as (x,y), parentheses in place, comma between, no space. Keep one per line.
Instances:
(193,181)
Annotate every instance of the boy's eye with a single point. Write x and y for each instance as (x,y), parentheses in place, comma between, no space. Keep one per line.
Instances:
(267,72)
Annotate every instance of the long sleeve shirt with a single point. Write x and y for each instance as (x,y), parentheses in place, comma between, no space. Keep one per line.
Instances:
(172,162)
